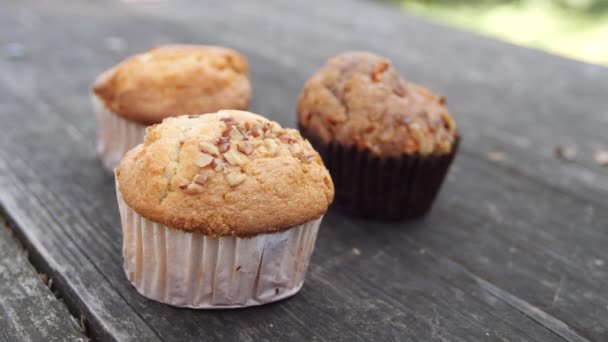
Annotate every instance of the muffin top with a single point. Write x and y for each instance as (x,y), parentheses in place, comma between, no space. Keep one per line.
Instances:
(358,99)
(226,173)
(174,80)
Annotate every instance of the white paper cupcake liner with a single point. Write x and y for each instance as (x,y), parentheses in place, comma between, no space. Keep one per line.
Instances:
(116,135)
(196,271)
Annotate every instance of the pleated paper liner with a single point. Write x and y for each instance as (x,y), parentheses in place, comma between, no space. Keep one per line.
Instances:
(116,135)
(197,271)
(383,188)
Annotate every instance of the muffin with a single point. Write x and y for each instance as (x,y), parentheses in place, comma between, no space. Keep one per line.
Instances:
(220,210)
(165,81)
(387,143)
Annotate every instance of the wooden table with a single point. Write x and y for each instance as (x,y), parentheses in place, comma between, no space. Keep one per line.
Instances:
(515,249)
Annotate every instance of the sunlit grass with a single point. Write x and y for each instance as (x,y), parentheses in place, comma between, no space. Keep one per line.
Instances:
(539,24)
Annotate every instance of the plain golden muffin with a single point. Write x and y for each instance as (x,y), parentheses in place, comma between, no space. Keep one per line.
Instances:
(226,173)
(358,99)
(174,80)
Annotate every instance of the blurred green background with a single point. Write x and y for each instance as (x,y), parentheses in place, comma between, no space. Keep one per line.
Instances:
(572,28)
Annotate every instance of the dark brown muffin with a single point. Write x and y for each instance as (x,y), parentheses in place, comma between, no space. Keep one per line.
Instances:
(388,143)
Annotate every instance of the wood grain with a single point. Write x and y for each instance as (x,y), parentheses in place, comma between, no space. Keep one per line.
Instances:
(513,250)
(28,309)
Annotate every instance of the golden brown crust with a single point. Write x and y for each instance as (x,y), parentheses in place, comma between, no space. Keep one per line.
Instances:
(358,98)
(174,80)
(226,173)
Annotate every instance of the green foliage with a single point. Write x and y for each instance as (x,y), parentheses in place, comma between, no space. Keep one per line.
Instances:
(573,28)
(585,6)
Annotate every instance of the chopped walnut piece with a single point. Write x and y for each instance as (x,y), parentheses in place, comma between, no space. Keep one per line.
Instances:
(200,179)
(221,140)
(225,147)
(209,148)
(203,160)
(378,70)
(305,157)
(183,185)
(256,133)
(288,139)
(448,122)
(233,157)
(235,178)
(271,146)
(266,127)
(218,164)
(228,120)
(246,147)
(239,131)
(227,131)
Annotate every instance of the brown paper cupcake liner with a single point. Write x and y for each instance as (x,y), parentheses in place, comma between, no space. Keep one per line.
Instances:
(383,188)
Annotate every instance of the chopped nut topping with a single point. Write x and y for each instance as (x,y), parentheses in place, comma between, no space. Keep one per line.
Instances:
(221,140)
(227,131)
(200,179)
(245,147)
(256,133)
(217,164)
(448,122)
(305,157)
(228,120)
(225,147)
(271,146)
(236,178)
(233,157)
(209,148)
(203,160)
(378,70)
(243,135)
(183,185)
(288,139)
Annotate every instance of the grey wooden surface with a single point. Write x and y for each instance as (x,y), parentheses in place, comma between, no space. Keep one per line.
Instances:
(28,309)
(514,249)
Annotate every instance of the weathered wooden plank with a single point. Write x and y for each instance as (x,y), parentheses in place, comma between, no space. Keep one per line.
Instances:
(28,309)
(451,276)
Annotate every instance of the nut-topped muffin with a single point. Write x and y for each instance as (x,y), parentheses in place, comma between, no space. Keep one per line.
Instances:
(166,81)
(229,195)
(388,143)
